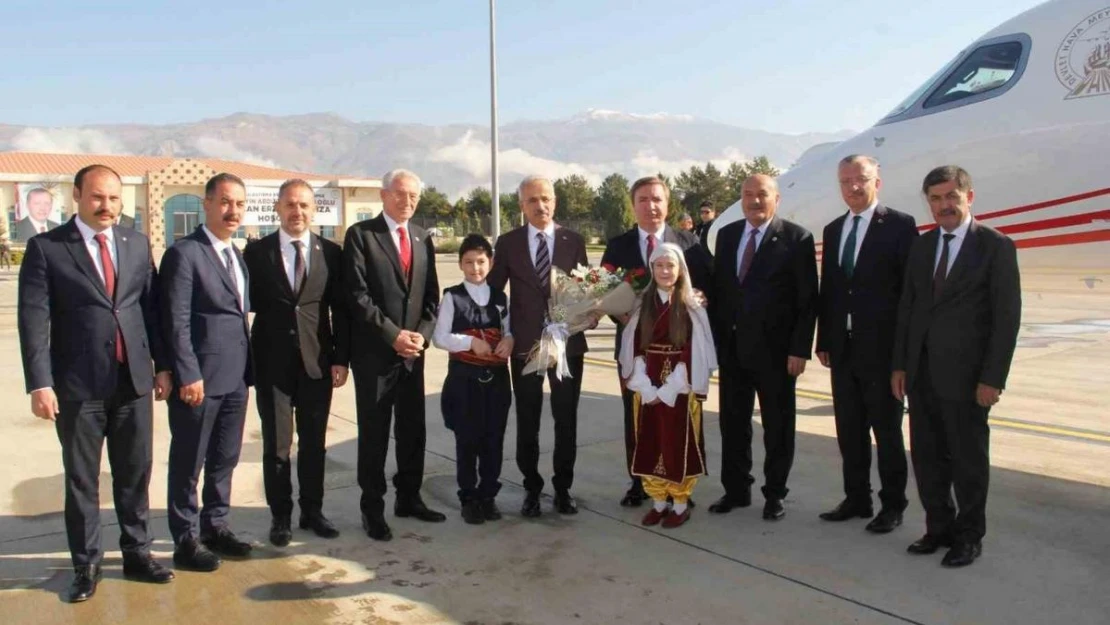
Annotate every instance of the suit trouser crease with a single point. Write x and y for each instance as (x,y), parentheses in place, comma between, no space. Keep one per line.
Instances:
(380,395)
(950,450)
(528,392)
(304,405)
(738,390)
(206,438)
(126,422)
(862,402)
(480,435)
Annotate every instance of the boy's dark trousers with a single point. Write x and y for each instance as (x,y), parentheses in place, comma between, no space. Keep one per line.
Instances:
(476,402)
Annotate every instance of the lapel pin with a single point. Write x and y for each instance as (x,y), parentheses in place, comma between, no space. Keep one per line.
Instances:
(317,247)
(417,239)
(773,239)
(880,221)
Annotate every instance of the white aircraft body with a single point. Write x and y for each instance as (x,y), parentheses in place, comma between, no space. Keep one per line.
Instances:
(1026,110)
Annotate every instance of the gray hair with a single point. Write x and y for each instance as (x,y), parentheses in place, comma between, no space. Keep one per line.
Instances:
(852,159)
(529,180)
(393,174)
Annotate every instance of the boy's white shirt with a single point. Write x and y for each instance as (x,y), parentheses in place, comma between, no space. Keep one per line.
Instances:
(444,339)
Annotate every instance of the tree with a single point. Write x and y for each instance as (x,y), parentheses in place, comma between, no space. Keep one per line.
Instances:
(574,197)
(699,185)
(613,206)
(479,203)
(433,204)
(510,211)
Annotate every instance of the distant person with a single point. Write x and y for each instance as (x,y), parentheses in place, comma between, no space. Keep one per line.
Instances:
(958,323)
(861,282)
(205,300)
(632,250)
(391,280)
(301,342)
(473,326)
(706,216)
(686,223)
(89,330)
(40,203)
(666,357)
(764,308)
(5,246)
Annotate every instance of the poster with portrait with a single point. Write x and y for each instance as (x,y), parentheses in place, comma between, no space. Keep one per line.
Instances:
(38,208)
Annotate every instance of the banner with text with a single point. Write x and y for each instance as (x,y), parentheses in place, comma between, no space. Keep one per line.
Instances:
(260,207)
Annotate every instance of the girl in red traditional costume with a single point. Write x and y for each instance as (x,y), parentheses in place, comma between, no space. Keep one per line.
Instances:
(666,358)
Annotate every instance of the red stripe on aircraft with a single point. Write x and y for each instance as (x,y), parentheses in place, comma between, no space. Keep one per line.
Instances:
(1058,222)
(1064,239)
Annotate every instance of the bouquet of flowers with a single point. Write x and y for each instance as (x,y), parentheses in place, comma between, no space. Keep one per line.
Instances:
(577,301)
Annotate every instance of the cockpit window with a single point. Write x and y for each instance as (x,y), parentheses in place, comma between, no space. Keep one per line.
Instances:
(981,73)
(987,69)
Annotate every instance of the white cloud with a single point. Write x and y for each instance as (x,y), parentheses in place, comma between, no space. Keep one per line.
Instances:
(219,148)
(66,141)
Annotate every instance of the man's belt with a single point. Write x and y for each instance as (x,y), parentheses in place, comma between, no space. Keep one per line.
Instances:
(491,336)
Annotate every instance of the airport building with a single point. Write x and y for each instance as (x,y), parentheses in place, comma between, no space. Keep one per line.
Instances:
(163,194)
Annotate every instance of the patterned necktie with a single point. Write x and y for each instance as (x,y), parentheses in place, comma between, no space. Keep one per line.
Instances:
(942,268)
(650,247)
(110,287)
(404,251)
(746,259)
(543,262)
(848,257)
(298,267)
(231,272)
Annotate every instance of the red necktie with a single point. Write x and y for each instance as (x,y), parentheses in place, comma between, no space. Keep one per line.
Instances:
(42,229)
(405,251)
(110,286)
(650,247)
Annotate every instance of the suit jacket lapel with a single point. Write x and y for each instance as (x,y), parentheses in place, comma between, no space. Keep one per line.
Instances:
(317,269)
(123,255)
(419,260)
(75,243)
(389,249)
(831,245)
(221,268)
(769,242)
(965,258)
(874,232)
(279,264)
(563,256)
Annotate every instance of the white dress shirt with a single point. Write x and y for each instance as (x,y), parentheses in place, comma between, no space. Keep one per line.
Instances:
(240,274)
(549,234)
(93,247)
(748,230)
(643,242)
(288,252)
(861,230)
(953,246)
(443,338)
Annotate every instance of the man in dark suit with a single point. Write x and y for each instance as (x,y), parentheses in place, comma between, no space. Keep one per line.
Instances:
(706,216)
(301,344)
(958,321)
(40,203)
(862,267)
(630,250)
(524,259)
(390,272)
(763,308)
(89,327)
(205,303)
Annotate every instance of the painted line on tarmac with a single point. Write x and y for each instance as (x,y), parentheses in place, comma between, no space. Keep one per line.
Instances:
(1018,425)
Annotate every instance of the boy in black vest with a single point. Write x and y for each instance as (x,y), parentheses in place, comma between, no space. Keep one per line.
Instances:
(473,325)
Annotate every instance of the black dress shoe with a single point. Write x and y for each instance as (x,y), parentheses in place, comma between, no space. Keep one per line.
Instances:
(281,531)
(773,510)
(848,510)
(142,567)
(885,522)
(472,512)
(725,504)
(414,507)
(929,543)
(84,583)
(224,542)
(190,555)
(565,503)
(376,527)
(319,524)
(962,554)
(531,506)
(489,509)
(634,497)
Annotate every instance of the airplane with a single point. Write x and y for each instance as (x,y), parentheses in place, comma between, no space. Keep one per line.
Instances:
(1026,110)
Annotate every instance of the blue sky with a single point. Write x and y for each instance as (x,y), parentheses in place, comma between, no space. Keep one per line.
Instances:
(788,66)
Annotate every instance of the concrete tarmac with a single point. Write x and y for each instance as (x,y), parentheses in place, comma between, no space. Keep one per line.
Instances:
(1046,555)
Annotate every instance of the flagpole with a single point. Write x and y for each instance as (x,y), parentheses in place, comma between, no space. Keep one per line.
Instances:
(495,223)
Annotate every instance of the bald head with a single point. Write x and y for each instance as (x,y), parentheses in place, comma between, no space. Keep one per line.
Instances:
(759,197)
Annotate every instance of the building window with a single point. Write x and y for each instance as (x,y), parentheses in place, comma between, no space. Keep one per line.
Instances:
(183,213)
(327,232)
(139,219)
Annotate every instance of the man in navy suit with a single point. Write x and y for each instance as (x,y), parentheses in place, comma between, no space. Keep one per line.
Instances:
(89,328)
(763,308)
(205,304)
(862,267)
